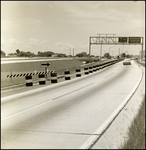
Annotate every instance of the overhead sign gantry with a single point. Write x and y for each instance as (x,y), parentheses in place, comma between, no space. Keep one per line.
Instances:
(111,39)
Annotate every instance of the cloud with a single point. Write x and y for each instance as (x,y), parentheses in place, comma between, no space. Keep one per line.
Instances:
(32,21)
(9,41)
(65,45)
(33,43)
(83,45)
(58,43)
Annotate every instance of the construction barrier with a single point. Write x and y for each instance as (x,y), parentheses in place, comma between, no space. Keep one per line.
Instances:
(29,74)
(42,79)
(90,69)
(67,75)
(97,67)
(86,71)
(101,67)
(94,68)
(54,77)
(78,72)
(28,80)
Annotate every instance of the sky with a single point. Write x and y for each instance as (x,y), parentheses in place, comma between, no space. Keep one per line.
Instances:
(61,26)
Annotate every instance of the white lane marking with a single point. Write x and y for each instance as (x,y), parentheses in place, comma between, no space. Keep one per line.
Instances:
(50,100)
(7,98)
(25,110)
(109,75)
(46,102)
(99,131)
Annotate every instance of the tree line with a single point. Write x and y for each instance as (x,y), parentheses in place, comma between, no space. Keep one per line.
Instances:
(19,53)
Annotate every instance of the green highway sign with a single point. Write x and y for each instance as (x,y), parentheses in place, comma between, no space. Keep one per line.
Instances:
(122,40)
(134,39)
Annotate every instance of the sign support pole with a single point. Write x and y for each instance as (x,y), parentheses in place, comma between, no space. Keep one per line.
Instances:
(46,67)
(89,48)
(46,73)
(142,49)
(108,40)
(100,51)
(11,75)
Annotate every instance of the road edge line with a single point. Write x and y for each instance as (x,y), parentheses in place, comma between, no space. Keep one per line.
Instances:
(90,141)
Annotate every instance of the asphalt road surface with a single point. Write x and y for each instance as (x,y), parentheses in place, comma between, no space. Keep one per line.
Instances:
(66,114)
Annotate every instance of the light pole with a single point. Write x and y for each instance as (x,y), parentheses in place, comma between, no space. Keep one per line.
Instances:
(104,52)
(100,51)
(110,48)
(73,52)
(46,48)
(69,50)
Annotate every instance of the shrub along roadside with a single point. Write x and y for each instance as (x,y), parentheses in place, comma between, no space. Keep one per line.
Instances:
(142,64)
(136,132)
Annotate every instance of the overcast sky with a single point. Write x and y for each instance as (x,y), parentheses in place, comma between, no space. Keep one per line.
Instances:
(59,25)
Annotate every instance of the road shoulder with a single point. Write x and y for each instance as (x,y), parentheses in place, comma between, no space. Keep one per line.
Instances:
(116,134)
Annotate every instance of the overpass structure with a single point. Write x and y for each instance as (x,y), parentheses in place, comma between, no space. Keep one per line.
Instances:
(111,39)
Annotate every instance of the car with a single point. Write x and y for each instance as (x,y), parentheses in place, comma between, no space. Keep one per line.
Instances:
(127,62)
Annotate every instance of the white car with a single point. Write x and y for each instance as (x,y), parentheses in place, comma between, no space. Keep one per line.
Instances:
(127,62)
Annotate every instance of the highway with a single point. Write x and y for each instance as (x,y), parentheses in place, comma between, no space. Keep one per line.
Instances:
(65,115)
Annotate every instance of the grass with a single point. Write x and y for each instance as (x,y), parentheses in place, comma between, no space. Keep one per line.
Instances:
(143,64)
(30,67)
(136,132)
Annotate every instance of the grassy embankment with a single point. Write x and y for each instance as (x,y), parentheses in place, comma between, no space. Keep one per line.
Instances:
(136,132)
(58,66)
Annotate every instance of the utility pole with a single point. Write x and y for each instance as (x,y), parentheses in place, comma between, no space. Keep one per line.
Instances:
(100,51)
(89,48)
(142,49)
(73,52)
(11,75)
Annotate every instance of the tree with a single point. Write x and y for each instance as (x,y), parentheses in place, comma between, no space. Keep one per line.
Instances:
(82,54)
(3,54)
(61,55)
(107,55)
(128,56)
(17,51)
(123,55)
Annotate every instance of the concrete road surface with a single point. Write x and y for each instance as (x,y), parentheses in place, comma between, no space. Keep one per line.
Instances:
(65,115)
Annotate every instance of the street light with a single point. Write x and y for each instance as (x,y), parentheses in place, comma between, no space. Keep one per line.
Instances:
(113,51)
(110,48)
(104,52)
(69,50)
(73,52)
